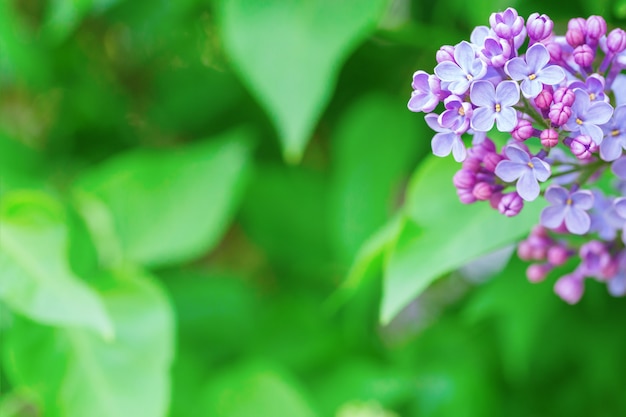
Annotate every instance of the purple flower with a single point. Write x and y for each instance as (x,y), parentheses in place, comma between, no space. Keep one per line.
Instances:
(528,171)
(425,96)
(495,52)
(457,114)
(620,208)
(507,24)
(461,73)
(614,135)
(539,27)
(616,41)
(604,218)
(510,204)
(534,70)
(594,85)
(586,116)
(495,104)
(617,284)
(568,207)
(446,140)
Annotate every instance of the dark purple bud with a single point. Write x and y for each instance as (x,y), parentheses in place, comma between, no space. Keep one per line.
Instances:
(523,130)
(584,55)
(558,255)
(616,41)
(482,191)
(491,160)
(472,164)
(583,146)
(538,272)
(549,138)
(544,99)
(511,204)
(559,114)
(564,95)
(464,179)
(465,195)
(570,288)
(596,28)
(445,53)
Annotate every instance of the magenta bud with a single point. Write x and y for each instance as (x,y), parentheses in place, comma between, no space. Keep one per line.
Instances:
(464,179)
(616,41)
(583,146)
(596,28)
(490,161)
(564,95)
(555,51)
(525,250)
(465,195)
(584,55)
(549,138)
(557,255)
(575,38)
(559,114)
(539,27)
(445,53)
(471,164)
(511,204)
(523,130)
(482,191)
(495,199)
(570,288)
(544,99)
(537,272)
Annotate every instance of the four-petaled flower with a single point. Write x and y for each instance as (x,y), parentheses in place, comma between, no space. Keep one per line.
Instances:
(614,135)
(534,71)
(587,116)
(567,207)
(494,104)
(526,170)
(464,71)
(446,140)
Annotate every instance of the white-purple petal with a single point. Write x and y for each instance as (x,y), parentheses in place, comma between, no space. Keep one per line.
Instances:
(432,120)
(611,148)
(551,75)
(516,154)
(594,131)
(527,185)
(483,119)
(582,199)
(577,221)
(482,94)
(458,150)
(537,56)
(507,93)
(442,143)
(552,216)
(531,88)
(599,113)
(464,55)
(506,119)
(449,71)
(556,195)
(517,69)
(541,168)
(509,171)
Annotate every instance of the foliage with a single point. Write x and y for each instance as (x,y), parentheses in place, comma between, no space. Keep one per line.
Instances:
(225,209)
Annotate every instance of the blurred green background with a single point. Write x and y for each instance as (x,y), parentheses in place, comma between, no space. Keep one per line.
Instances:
(226,209)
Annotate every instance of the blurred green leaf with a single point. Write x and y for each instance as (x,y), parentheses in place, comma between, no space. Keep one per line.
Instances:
(289,54)
(172,206)
(255,389)
(36,277)
(374,148)
(448,234)
(78,374)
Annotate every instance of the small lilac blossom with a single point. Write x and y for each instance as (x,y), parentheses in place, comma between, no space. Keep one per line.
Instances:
(457,114)
(446,140)
(604,218)
(425,95)
(616,41)
(539,27)
(496,52)
(507,24)
(584,56)
(593,85)
(461,73)
(526,170)
(534,70)
(569,208)
(587,116)
(614,135)
(494,104)
(596,259)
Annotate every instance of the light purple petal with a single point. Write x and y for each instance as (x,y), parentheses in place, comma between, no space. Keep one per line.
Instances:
(441,143)
(432,120)
(542,169)
(458,150)
(556,195)
(531,88)
(581,102)
(582,199)
(517,69)
(551,75)
(537,56)
(527,186)
(619,168)
(599,113)
(507,93)
(617,285)
(592,130)
(464,56)
(449,71)
(483,119)
(506,119)
(420,81)
(509,171)
(553,216)
(423,102)
(577,221)
(516,154)
(483,93)
(610,148)
(620,206)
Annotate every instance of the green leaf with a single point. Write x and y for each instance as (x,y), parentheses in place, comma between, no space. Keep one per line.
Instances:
(171,206)
(255,389)
(441,234)
(374,149)
(37,280)
(289,54)
(77,374)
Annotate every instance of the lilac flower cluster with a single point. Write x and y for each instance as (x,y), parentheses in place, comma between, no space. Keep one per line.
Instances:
(556,105)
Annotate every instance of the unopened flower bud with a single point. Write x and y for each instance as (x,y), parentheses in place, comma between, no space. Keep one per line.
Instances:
(559,114)
(596,28)
(564,95)
(583,146)
(544,99)
(465,195)
(482,191)
(511,204)
(537,272)
(616,41)
(490,161)
(523,130)
(445,53)
(464,179)
(549,138)
(558,255)
(539,27)
(570,288)
(584,55)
